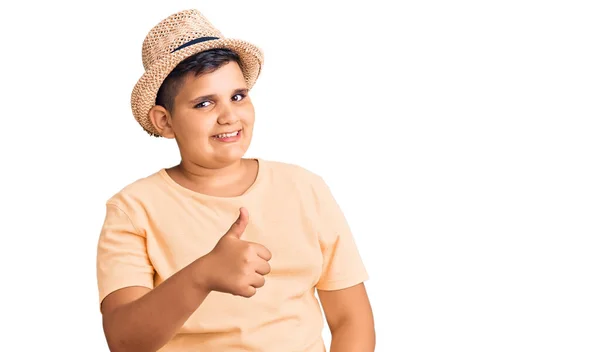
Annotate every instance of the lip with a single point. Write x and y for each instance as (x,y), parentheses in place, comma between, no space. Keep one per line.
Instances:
(215,135)
(229,139)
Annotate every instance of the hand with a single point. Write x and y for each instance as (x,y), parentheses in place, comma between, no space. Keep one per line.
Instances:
(236,266)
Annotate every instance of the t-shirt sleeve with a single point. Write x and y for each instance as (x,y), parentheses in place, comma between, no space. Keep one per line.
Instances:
(342,264)
(122,259)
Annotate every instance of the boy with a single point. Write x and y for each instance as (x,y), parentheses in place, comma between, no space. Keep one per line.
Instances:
(222,253)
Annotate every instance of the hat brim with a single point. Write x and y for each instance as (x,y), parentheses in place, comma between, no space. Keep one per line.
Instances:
(143,96)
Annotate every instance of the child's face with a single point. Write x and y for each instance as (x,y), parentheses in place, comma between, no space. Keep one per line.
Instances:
(212,104)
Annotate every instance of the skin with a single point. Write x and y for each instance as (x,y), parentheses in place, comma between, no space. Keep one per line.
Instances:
(139,319)
(350,319)
(207,165)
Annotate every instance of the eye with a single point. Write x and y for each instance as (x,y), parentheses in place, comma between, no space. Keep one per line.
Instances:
(238,97)
(203,104)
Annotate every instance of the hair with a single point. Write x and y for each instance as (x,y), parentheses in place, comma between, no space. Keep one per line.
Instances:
(204,62)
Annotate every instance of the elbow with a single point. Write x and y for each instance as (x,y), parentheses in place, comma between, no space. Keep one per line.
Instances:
(115,343)
(120,342)
(116,336)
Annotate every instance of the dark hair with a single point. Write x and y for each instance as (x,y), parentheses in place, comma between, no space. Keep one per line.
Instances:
(204,62)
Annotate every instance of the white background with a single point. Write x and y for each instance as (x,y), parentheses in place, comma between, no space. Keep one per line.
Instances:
(461,139)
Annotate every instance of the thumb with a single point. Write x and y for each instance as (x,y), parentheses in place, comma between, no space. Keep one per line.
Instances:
(238,227)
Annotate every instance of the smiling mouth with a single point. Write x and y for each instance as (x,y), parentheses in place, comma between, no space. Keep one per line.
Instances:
(227,135)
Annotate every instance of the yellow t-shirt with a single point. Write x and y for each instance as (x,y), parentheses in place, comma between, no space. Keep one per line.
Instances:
(154,227)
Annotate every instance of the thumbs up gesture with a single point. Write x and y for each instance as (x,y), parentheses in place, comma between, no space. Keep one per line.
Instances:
(236,266)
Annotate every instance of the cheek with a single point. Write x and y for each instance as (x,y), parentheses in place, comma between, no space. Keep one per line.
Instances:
(248,116)
(193,128)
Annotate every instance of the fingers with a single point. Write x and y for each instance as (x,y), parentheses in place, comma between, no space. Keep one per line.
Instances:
(248,292)
(238,227)
(262,251)
(262,267)
(257,281)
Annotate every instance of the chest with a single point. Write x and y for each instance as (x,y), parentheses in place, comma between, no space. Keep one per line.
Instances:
(182,233)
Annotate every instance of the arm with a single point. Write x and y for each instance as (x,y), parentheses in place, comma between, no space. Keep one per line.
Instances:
(136,315)
(137,318)
(340,288)
(350,319)
(140,319)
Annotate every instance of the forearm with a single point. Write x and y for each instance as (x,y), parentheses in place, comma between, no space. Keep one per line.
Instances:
(353,337)
(149,322)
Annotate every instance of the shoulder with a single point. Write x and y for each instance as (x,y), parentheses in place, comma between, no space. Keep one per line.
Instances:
(288,177)
(138,192)
(291,172)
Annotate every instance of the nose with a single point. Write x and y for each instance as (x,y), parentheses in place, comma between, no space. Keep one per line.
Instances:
(227,115)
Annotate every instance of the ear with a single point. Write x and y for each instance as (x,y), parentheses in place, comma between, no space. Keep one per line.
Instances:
(161,119)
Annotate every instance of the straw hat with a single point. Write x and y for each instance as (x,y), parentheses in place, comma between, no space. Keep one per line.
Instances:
(171,41)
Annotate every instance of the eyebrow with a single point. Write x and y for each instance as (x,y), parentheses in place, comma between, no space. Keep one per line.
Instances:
(214,96)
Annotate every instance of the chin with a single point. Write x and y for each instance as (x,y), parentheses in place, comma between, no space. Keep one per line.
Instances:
(230,157)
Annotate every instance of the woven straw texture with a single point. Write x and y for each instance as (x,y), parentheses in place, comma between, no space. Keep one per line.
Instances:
(158,60)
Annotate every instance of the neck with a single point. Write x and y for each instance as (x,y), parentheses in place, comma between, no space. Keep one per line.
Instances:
(204,173)
(209,180)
